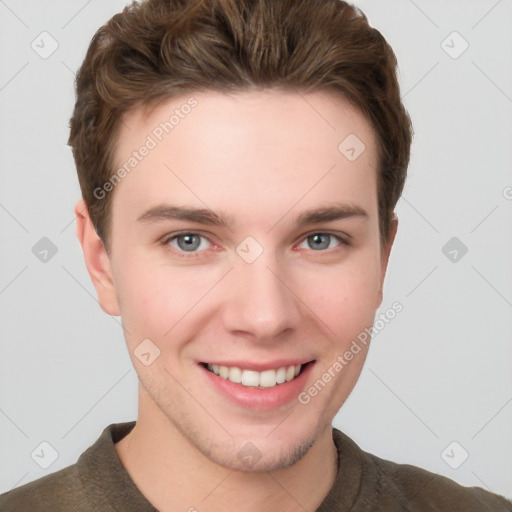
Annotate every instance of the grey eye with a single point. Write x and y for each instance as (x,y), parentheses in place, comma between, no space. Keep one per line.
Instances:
(188,242)
(321,241)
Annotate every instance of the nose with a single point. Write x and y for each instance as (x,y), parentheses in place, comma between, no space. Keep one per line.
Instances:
(261,301)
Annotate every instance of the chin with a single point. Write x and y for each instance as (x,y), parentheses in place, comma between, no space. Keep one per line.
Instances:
(262,448)
(259,456)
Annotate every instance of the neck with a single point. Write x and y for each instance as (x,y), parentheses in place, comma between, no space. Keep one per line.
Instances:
(174,475)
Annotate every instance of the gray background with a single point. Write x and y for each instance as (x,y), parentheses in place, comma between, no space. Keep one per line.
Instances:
(439,372)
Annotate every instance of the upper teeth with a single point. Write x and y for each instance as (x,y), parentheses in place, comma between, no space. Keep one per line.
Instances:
(266,379)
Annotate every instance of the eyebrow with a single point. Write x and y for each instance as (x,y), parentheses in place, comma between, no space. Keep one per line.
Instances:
(165,212)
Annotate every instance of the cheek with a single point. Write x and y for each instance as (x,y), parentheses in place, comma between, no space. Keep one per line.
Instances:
(159,301)
(343,297)
(155,299)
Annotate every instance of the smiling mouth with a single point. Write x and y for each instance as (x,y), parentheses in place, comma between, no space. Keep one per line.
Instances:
(253,379)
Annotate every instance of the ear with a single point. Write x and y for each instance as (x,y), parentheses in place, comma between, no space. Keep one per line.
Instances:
(97,260)
(385,251)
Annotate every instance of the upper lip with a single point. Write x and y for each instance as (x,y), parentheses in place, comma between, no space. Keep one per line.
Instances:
(260,367)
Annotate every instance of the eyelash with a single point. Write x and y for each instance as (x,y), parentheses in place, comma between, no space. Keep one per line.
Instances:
(183,254)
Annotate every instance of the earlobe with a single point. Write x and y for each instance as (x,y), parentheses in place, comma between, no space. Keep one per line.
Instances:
(385,252)
(96,259)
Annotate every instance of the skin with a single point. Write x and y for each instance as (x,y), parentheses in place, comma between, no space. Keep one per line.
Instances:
(262,157)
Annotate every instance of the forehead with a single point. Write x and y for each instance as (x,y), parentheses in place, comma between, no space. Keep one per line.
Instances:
(246,151)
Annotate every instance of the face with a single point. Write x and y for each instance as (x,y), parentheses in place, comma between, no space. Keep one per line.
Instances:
(255,283)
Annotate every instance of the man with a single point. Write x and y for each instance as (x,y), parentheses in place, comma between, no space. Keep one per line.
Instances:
(240,162)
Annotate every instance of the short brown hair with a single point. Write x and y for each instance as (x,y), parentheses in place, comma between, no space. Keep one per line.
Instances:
(157,49)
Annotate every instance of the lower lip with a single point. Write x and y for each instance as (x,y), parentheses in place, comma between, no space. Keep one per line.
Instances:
(259,399)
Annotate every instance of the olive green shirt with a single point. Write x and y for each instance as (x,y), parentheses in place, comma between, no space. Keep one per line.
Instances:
(98,482)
